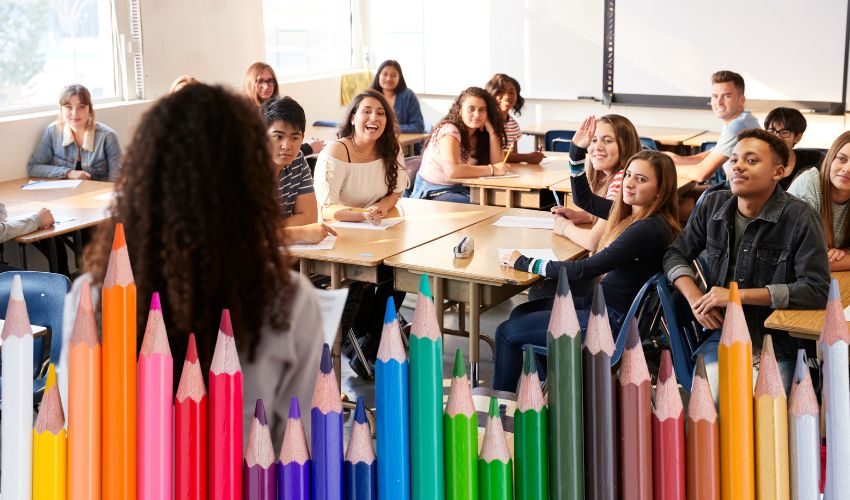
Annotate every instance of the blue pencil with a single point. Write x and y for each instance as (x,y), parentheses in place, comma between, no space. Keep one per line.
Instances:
(557,200)
(360,469)
(392,412)
(326,438)
(293,469)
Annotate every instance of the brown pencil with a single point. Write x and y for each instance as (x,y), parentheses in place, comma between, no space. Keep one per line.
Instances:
(635,420)
(702,456)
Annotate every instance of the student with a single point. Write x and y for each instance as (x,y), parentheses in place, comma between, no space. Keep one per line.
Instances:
(466,143)
(506,91)
(642,221)
(827,191)
(180,82)
(200,219)
(261,85)
(770,243)
(727,102)
(599,151)
(75,146)
(789,124)
(285,123)
(364,169)
(389,80)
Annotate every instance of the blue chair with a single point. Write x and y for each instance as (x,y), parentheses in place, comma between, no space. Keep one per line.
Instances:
(683,331)
(564,135)
(649,143)
(561,145)
(705,146)
(325,123)
(642,307)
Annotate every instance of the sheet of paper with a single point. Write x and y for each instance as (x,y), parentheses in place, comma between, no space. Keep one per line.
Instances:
(385,224)
(104,196)
(331,304)
(63,184)
(59,219)
(555,159)
(505,176)
(534,253)
(325,244)
(526,222)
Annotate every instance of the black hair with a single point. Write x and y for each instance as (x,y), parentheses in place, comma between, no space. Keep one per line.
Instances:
(376,82)
(285,109)
(777,146)
(790,118)
(496,85)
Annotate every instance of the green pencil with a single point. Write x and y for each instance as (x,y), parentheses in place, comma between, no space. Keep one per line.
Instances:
(460,426)
(566,438)
(495,467)
(426,399)
(530,435)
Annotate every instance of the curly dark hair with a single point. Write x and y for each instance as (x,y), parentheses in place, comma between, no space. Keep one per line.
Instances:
(496,86)
(197,200)
(482,148)
(387,146)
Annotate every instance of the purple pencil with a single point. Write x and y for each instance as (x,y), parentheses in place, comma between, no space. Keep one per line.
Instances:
(326,438)
(259,474)
(293,469)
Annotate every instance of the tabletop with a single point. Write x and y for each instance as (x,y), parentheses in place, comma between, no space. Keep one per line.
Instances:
(555,168)
(807,323)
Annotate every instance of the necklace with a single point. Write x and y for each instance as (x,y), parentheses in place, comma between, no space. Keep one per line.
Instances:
(365,157)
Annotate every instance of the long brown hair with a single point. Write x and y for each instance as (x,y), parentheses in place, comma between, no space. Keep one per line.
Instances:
(826,198)
(200,218)
(454,116)
(75,89)
(665,204)
(250,85)
(387,145)
(628,143)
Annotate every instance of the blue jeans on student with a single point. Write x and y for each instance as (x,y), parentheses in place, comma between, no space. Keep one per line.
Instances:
(428,191)
(527,324)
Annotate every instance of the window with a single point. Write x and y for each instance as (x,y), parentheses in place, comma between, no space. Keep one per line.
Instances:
(307,38)
(47,44)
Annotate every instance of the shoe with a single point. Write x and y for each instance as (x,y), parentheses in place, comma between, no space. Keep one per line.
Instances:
(366,372)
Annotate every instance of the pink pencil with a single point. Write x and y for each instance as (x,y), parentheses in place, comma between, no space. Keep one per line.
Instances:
(156,375)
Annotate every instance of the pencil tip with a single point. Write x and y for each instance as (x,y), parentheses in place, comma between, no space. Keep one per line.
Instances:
(633,335)
(598,305)
(294,409)
(834,290)
(529,364)
(118,241)
(260,413)
(226,326)
(192,350)
(460,368)
(767,346)
(326,365)
(51,377)
(563,283)
(17,291)
(700,369)
(734,296)
(389,315)
(665,371)
(360,411)
(155,304)
(802,367)
(424,286)
(494,407)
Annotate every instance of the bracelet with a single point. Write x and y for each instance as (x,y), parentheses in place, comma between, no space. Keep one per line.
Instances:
(492,170)
(537,263)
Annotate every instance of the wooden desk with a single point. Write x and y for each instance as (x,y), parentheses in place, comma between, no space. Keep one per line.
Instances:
(683,184)
(669,136)
(86,206)
(697,140)
(37,331)
(523,191)
(328,134)
(807,324)
(479,281)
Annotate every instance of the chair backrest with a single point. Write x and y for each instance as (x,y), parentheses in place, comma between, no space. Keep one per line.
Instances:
(560,145)
(705,146)
(557,134)
(681,330)
(640,307)
(649,143)
(45,297)
(411,166)
(704,195)
(324,123)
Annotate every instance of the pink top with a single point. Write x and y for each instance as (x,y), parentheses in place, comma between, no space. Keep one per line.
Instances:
(433,168)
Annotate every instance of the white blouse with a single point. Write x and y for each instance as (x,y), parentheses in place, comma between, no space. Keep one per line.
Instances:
(360,185)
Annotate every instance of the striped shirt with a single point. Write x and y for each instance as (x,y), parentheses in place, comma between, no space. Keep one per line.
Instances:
(512,132)
(295,179)
(616,184)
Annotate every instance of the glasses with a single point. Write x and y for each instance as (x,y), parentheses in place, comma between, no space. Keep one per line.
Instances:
(784,133)
(266,83)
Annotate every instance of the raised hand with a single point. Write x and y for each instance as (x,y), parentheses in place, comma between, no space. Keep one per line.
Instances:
(585,132)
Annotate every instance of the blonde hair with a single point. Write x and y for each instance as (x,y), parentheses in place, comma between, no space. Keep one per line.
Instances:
(628,143)
(250,85)
(181,82)
(75,89)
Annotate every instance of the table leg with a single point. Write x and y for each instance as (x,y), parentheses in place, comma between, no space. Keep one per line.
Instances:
(461,317)
(304,267)
(78,249)
(474,330)
(509,202)
(482,195)
(439,293)
(52,258)
(23,249)
(336,351)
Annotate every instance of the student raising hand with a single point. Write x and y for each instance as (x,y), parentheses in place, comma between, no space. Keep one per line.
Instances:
(585,132)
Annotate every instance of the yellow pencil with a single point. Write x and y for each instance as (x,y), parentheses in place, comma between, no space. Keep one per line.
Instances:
(511,148)
(50,446)
(771,429)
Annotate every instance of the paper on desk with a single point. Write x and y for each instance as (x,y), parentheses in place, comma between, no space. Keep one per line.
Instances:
(63,184)
(504,176)
(61,219)
(331,304)
(534,253)
(526,222)
(554,159)
(104,196)
(385,224)
(325,244)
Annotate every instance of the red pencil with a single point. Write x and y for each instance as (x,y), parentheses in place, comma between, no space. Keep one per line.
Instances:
(225,416)
(190,430)
(635,420)
(668,435)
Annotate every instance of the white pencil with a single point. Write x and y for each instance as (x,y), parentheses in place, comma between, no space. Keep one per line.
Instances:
(17,398)
(834,340)
(804,434)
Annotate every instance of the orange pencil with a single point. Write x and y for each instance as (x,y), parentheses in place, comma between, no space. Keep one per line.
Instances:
(119,373)
(735,353)
(84,418)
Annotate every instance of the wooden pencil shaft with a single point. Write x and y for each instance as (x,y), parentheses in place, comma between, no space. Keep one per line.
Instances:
(17,370)
(771,447)
(737,460)
(600,459)
(461,450)
(426,418)
(804,450)
(566,433)
(837,394)
(636,441)
(84,417)
(702,458)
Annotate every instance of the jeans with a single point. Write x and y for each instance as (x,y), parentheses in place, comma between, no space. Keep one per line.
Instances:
(527,324)
(426,190)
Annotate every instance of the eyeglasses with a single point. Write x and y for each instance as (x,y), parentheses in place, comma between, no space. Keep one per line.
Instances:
(267,83)
(784,133)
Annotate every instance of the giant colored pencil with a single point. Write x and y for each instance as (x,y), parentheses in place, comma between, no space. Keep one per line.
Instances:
(326,435)
(804,435)
(426,399)
(460,430)
(156,381)
(225,416)
(635,420)
(259,471)
(392,411)
(702,455)
(566,435)
(293,469)
(600,444)
(50,446)
(359,470)
(119,374)
(84,417)
(17,398)
(531,434)
(771,428)
(495,467)
(190,430)
(834,340)
(668,435)
(735,366)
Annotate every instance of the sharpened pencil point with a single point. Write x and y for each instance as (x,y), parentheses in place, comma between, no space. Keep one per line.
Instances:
(734,296)
(700,368)
(360,411)
(226,326)
(155,304)
(389,316)
(834,291)
(260,413)
(294,409)
(563,283)
(326,365)
(633,335)
(494,407)
(802,367)
(598,305)
(767,346)
(460,368)
(425,287)
(119,240)
(51,377)
(192,350)
(17,292)
(665,371)
(529,364)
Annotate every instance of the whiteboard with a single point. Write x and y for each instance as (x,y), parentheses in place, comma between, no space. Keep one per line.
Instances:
(786,50)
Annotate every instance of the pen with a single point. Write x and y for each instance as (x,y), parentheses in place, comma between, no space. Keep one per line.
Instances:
(557,201)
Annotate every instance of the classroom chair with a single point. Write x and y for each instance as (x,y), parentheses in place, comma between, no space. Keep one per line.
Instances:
(682,329)
(705,146)
(411,166)
(563,135)
(325,123)
(649,143)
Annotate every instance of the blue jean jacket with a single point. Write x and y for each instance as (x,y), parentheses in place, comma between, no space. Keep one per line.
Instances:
(55,155)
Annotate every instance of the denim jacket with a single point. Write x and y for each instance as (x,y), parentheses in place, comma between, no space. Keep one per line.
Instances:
(56,154)
(782,249)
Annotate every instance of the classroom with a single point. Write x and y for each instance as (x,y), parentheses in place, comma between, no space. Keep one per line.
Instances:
(369,249)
